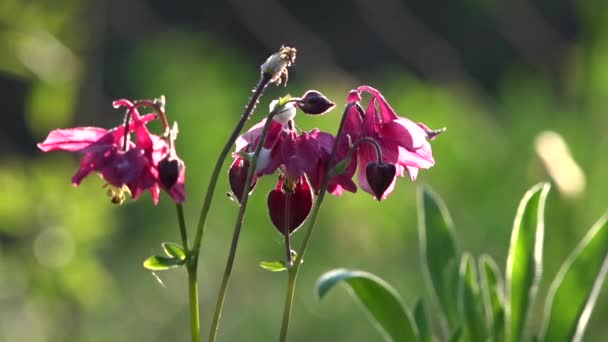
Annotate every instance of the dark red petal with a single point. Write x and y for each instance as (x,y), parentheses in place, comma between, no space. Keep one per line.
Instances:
(237,176)
(299,204)
(379,177)
(123,167)
(169,170)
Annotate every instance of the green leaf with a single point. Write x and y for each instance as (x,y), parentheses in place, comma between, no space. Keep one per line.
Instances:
(575,289)
(456,334)
(379,299)
(422,323)
(470,301)
(273,266)
(493,296)
(159,263)
(174,250)
(524,262)
(438,250)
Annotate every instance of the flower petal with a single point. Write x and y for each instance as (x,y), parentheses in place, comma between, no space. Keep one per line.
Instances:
(72,139)
(290,208)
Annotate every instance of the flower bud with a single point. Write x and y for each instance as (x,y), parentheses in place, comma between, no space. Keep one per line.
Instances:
(380,176)
(169,169)
(314,103)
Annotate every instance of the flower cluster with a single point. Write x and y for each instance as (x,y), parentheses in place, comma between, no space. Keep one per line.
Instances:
(147,163)
(377,142)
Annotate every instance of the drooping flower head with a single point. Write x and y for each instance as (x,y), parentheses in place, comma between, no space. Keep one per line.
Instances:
(301,159)
(403,143)
(120,161)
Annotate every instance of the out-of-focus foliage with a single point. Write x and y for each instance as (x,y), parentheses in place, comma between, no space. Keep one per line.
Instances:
(70,262)
(485,304)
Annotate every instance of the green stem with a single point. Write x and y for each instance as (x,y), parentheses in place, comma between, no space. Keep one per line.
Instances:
(237,231)
(195,324)
(310,225)
(291,287)
(182,226)
(259,89)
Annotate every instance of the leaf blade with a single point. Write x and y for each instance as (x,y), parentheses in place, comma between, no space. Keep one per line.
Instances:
(524,262)
(438,250)
(422,323)
(174,250)
(381,301)
(160,263)
(585,267)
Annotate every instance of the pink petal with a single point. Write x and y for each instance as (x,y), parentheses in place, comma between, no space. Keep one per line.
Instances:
(72,139)
(386,111)
(405,132)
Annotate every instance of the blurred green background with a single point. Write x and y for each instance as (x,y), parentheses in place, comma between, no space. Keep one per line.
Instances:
(497,73)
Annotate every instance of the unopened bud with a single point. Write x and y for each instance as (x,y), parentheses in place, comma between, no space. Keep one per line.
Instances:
(169,169)
(379,177)
(276,65)
(315,103)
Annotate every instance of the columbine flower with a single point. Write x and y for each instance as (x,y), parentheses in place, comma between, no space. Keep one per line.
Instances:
(122,163)
(404,143)
(301,159)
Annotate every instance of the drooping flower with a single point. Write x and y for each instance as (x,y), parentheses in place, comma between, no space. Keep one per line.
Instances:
(121,162)
(300,157)
(403,143)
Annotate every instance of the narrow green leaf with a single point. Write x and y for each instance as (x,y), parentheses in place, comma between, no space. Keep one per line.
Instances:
(273,266)
(470,301)
(456,333)
(575,289)
(159,263)
(422,323)
(380,300)
(524,262)
(438,250)
(174,250)
(493,296)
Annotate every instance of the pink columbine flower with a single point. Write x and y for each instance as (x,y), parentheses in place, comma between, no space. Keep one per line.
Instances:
(301,159)
(120,162)
(404,143)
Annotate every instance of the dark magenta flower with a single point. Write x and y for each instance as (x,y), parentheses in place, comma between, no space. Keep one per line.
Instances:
(300,157)
(404,143)
(121,162)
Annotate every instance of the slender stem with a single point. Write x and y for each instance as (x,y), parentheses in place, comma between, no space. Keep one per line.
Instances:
(182,226)
(195,324)
(237,231)
(126,134)
(310,225)
(372,142)
(287,223)
(291,287)
(259,89)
